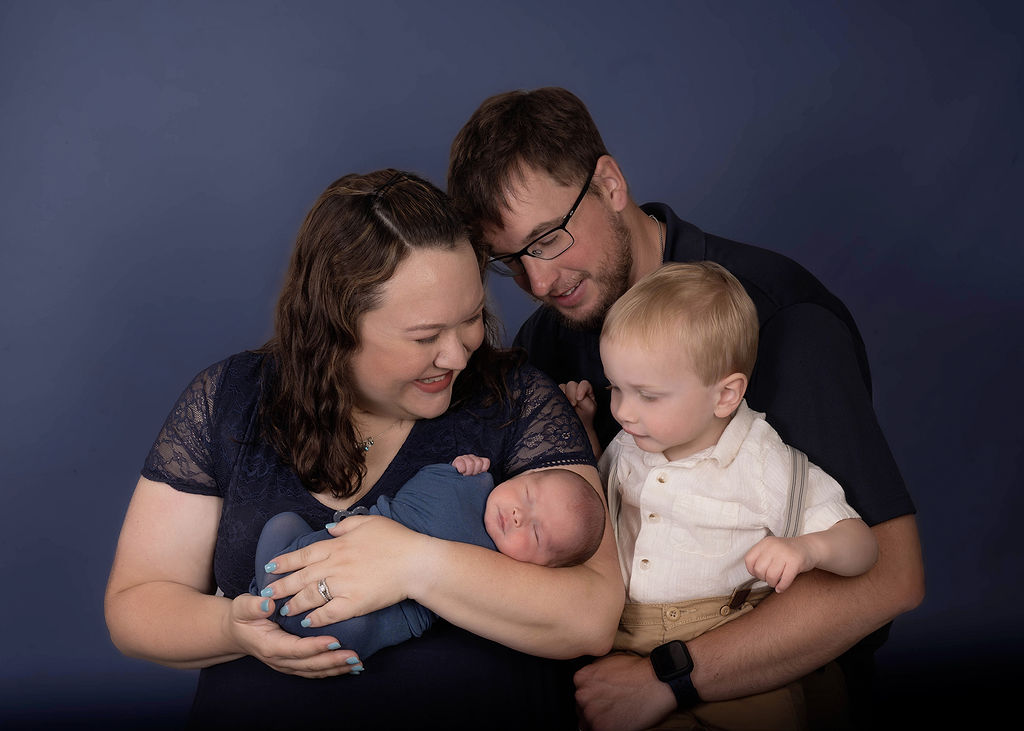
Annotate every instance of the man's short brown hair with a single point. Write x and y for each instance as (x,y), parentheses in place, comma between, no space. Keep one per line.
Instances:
(548,130)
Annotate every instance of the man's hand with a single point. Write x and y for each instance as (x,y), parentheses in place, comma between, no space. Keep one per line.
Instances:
(619,692)
(581,396)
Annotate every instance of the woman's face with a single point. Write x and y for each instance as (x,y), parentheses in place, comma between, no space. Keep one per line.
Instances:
(416,343)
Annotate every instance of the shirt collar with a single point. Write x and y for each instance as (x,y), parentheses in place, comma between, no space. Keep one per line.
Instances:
(734,435)
(724,452)
(683,240)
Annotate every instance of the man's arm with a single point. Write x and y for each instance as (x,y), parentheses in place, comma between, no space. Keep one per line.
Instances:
(818,618)
(821,616)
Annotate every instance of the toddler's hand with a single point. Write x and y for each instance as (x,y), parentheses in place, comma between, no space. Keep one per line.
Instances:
(470,464)
(778,561)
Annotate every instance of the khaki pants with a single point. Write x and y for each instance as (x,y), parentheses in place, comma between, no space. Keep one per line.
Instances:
(810,702)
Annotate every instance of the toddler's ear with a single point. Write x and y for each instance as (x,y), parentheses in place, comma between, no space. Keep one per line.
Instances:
(730,393)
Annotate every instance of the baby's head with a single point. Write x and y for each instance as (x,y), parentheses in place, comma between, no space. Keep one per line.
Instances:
(549,517)
(678,349)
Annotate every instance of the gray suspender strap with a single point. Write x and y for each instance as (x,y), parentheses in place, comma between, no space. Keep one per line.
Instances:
(794,517)
(797,494)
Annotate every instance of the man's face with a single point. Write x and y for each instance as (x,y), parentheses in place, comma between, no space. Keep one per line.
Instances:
(583,282)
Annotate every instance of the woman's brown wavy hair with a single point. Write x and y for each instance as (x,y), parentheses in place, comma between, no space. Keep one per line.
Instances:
(350,244)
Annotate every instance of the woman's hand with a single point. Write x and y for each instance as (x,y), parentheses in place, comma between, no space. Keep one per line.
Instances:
(372,563)
(248,624)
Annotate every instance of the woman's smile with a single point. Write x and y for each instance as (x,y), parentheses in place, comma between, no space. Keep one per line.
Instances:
(435,384)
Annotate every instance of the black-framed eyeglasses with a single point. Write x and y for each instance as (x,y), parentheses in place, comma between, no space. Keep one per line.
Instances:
(549,245)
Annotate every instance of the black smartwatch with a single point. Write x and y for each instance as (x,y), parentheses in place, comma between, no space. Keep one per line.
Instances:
(673,665)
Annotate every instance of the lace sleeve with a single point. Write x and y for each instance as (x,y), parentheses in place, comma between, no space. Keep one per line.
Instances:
(548,431)
(181,455)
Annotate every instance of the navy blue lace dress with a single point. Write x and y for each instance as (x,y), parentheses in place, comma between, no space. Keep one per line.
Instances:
(449,678)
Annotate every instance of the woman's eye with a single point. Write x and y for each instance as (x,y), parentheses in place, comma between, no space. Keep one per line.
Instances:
(427,341)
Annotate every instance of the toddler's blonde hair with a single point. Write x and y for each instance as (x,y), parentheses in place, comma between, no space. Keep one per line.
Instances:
(698,306)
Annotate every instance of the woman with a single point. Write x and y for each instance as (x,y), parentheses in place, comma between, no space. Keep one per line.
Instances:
(381,363)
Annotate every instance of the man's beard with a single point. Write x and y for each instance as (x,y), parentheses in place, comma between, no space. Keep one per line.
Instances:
(611,278)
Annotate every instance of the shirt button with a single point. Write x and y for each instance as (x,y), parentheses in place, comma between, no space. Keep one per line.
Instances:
(662,478)
(645,564)
(653,517)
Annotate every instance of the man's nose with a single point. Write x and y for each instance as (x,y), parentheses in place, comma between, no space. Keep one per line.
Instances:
(540,276)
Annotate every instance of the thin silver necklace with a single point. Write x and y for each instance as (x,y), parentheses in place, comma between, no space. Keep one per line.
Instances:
(661,234)
(368,442)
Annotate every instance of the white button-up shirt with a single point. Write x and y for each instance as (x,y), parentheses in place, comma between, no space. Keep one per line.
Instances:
(683,527)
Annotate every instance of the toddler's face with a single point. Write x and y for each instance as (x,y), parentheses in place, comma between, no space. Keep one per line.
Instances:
(657,397)
(528,515)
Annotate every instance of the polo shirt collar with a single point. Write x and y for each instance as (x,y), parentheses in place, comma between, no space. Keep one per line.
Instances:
(683,241)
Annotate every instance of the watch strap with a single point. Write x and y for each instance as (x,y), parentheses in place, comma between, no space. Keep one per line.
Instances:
(685,693)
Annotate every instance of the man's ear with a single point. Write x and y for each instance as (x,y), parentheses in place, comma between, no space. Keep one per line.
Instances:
(612,183)
(730,393)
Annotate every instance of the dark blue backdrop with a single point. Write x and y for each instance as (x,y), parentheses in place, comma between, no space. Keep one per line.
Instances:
(156,159)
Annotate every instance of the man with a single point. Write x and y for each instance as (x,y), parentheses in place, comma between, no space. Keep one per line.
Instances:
(532,175)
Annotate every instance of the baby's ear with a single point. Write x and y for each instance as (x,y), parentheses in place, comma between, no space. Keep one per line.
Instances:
(730,394)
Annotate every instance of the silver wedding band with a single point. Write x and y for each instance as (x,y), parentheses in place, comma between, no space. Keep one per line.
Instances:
(321,586)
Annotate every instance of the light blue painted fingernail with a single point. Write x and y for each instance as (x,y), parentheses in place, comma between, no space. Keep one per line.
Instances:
(356,670)
(306,622)
(285,610)
(265,605)
(353,661)
(330,525)
(267,592)
(269,568)
(334,646)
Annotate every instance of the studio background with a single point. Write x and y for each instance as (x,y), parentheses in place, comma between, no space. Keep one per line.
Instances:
(157,158)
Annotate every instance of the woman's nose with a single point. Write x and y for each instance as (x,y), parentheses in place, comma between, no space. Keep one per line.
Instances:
(453,354)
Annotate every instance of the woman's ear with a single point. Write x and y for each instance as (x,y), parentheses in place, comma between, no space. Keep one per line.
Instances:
(611,181)
(730,393)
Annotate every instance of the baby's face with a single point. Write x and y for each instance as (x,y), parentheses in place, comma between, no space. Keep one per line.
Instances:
(528,516)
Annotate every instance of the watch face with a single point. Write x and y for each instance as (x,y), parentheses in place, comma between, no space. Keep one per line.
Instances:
(671,660)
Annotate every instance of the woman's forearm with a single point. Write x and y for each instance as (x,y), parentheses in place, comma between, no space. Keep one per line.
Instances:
(557,613)
(170,624)
(159,602)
